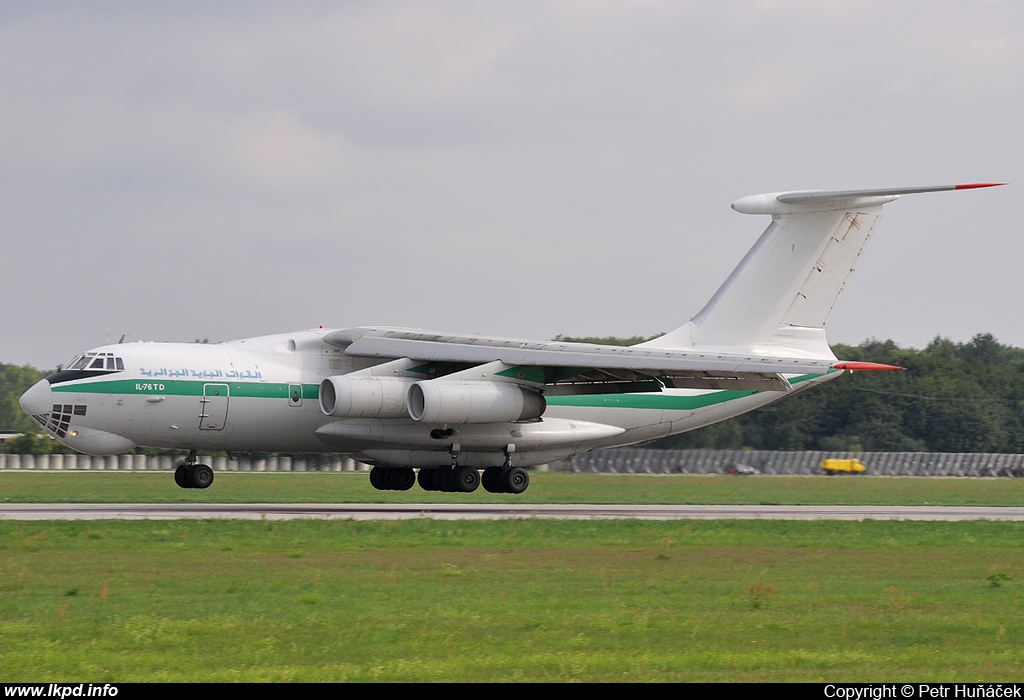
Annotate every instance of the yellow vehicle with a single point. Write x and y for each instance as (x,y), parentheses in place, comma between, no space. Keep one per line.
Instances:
(842,466)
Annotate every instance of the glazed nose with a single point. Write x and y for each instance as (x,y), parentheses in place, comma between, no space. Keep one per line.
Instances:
(38,399)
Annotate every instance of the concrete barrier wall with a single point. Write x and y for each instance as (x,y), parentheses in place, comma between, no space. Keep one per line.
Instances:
(626,460)
(76,462)
(622,460)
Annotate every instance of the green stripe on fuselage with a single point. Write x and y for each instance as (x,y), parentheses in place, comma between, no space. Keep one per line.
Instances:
(540,374)
(672,402)
(175,387)
(660,401)
(269,390)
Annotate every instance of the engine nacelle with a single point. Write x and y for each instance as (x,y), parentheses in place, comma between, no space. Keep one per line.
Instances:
(439,401)
(364,397)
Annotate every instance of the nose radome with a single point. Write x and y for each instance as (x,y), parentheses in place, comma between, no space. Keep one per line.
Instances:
(37,399)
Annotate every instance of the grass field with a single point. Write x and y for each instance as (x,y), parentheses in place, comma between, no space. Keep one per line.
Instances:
(511,600)
(517,600)
(554,487)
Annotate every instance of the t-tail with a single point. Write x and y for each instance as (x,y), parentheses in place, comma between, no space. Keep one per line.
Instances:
(780,297)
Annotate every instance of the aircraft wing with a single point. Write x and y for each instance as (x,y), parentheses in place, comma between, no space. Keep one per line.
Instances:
(585,367)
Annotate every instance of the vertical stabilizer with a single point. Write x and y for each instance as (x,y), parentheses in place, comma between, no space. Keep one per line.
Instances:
(782,294)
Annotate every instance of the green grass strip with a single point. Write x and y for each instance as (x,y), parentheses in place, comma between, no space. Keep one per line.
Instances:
(546,487)
(511,600)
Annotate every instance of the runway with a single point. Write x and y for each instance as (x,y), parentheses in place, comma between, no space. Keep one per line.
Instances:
(449,511)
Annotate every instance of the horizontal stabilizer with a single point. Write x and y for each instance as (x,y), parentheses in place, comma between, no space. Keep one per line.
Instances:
(776,203)
(815,196)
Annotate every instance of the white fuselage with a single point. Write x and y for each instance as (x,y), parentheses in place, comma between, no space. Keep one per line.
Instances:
(261,395)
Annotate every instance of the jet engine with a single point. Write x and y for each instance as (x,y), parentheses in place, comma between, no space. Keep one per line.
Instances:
(439,401)
(364,397)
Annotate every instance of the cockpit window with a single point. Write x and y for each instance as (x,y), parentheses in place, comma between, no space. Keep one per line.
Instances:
(97,361)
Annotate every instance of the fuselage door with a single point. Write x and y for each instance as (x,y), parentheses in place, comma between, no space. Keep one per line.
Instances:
(294,394)
(214,412)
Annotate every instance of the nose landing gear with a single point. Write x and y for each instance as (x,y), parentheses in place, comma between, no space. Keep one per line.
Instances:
(190,475)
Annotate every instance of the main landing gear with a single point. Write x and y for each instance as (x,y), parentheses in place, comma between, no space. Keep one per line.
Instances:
(453,479)
(392,479)
(190,475)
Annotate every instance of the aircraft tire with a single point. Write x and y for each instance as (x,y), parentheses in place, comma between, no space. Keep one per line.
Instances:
(442,479)
(389,479)
(464,479)
(426,479)
(402,479)
(491,480)
(515,480)
(200,476)
(181,476)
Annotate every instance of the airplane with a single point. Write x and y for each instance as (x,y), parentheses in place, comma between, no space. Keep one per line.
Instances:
(452,411)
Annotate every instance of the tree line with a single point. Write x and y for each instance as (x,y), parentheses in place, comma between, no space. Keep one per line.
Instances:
(951,397)
(14,380)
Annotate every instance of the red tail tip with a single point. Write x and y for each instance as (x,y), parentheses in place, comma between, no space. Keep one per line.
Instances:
(863,366)
(976,185)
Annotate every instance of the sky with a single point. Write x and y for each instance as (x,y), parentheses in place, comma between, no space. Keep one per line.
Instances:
(196,170)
